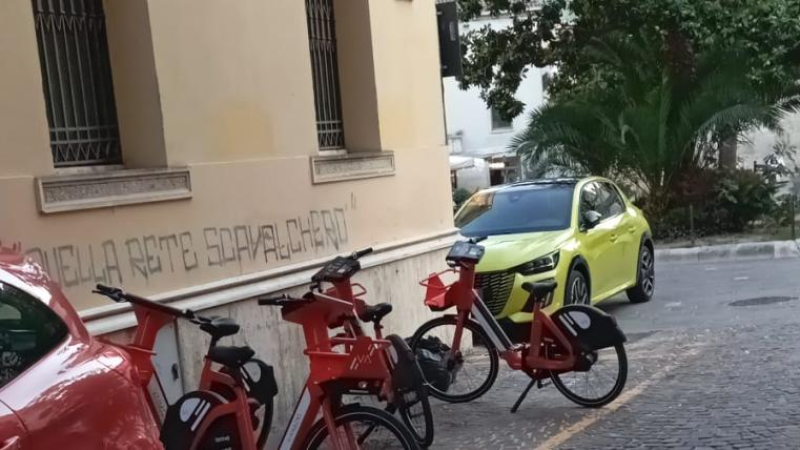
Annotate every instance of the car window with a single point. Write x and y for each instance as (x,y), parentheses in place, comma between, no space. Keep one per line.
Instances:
(603,198)
(28,331)
(518,209)
(589,198)
(615,203)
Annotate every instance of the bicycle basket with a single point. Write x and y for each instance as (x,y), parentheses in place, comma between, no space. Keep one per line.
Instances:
(436,292)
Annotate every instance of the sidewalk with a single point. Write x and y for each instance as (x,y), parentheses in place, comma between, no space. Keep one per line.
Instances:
(737,251)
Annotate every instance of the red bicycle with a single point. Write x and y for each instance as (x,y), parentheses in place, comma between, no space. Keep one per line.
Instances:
(232,371)
(339,365)
(579,347)
(225,409)
(408,395)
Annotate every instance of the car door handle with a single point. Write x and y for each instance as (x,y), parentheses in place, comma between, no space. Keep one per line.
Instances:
(631,229)
(614,238)
(11,444)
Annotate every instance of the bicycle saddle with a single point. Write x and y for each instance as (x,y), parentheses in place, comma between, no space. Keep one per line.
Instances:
(219,327)
(374,313)
(233,357)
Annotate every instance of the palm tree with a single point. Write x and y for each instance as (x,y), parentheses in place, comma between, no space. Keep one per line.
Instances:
(662,116)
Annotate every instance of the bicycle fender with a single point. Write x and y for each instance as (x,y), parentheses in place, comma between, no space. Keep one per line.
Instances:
(403,363)
(260,379)
(184,419)
(588,327)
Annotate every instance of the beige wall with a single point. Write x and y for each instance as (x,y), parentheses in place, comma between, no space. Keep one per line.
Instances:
(24,141)
(135,83)
(407,73)
(359,95)
(235,79)
(236,105)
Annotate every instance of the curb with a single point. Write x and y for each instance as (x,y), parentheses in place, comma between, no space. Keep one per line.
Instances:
(731,252)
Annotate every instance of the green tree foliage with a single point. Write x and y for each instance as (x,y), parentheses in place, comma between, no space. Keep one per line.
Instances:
(657,122)
(560,33)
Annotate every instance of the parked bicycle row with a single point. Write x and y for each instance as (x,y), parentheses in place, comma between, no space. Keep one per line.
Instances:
(453,357)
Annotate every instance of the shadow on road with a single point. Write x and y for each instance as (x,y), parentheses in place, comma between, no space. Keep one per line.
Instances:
(616,304)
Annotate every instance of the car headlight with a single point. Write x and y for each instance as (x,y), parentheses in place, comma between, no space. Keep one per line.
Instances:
(540,265)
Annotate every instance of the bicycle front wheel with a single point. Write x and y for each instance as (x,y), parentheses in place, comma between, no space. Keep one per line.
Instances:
(461,376)
(363,428)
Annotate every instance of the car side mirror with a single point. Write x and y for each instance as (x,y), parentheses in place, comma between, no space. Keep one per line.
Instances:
(591,219)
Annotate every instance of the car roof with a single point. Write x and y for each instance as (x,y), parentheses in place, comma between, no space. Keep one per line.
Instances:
(563,181)
(547,181)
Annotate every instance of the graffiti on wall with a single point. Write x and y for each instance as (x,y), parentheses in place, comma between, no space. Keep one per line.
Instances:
(144,258)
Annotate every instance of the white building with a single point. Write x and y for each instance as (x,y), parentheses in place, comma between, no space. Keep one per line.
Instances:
(476,131)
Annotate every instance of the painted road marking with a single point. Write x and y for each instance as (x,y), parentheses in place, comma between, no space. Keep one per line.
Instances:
(741,278)
(627,396)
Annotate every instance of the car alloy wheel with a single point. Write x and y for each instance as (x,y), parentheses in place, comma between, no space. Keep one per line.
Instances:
(647,272)
(579,291)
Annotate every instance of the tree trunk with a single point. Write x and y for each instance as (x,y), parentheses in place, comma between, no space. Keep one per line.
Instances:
(727,151)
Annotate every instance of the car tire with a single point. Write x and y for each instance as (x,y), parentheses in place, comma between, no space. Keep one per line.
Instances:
(577,291)
(645,277)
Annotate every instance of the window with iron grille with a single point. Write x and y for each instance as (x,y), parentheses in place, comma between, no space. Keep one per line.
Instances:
(76,76)
(325,71)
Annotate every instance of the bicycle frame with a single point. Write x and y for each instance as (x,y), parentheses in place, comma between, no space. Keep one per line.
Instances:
(239,406)
(359,366)
(530,357)
(151,317)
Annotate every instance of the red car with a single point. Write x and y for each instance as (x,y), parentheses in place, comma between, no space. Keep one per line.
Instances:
(59,387)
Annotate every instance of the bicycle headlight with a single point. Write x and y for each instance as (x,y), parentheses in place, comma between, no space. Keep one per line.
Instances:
(540,265)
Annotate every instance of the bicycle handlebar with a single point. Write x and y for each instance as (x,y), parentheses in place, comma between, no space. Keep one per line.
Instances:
(113,293)
(282,300)
(359,253)
(119,296)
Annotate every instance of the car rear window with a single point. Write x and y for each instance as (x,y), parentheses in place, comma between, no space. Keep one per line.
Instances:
(522,209)
(28,331)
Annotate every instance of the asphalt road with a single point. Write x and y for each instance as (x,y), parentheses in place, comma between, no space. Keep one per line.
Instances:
(714,363)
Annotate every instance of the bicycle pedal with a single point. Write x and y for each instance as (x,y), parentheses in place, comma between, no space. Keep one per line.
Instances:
(541,383)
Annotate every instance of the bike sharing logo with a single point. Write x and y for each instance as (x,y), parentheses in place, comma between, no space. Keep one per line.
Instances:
(359,360)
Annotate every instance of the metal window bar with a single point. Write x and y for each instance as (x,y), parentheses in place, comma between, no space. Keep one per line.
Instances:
(76,77)
(325,71)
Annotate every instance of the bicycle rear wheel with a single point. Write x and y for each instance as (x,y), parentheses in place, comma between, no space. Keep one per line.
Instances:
(364,428)
(599,385)
(410,392)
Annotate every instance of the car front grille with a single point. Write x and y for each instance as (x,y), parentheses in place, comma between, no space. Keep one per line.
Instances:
(495,289)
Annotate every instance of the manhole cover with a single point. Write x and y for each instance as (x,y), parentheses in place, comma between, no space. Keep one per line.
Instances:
(758,301)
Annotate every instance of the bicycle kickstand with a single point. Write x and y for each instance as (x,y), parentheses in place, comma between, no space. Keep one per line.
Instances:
(522,396)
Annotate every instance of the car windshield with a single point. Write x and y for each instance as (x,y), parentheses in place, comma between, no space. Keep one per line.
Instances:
(522,209)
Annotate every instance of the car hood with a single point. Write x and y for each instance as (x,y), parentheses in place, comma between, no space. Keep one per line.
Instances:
(510,250)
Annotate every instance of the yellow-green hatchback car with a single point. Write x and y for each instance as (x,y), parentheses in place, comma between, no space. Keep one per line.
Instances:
(584,233)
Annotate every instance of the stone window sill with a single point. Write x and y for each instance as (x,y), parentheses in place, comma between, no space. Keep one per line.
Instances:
(74,192)
(351,166)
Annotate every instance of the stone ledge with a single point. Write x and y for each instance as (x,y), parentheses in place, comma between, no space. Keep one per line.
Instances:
(62,193)
(352,166)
